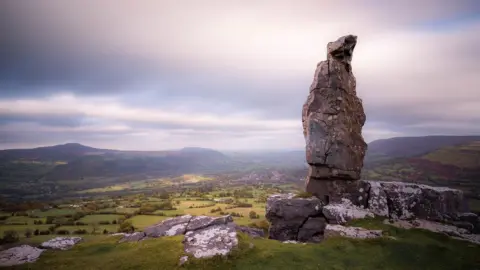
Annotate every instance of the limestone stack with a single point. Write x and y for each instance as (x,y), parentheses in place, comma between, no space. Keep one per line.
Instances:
(332,119)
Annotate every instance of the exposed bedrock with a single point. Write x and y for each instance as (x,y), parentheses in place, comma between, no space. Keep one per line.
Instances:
(300,219)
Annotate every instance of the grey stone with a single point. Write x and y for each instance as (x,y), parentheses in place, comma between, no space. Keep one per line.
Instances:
(288,214)
(312,230)
(410,201)
(350,232)
(210,241)
(377,202)
(333,118)
(471,218)
(341,213)
(200,222)
(19,255)
(169,227)
(183,260)
(132,237)
(62,243)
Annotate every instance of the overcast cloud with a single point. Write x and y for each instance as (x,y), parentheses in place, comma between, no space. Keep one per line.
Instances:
(152,75)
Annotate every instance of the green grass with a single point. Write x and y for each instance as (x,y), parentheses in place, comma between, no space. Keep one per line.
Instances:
(89,228)
(142,221)
(464,156)
(21,228)
(414,249)
(22,219)
(474,205)
(54,212)
(97,218)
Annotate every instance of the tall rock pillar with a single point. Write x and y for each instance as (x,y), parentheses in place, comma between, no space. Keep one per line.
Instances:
(332,119)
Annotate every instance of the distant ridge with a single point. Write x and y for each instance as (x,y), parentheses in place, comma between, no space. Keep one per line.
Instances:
(414,146)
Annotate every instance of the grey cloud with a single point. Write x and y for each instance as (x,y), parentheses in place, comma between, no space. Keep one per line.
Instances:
(167,55)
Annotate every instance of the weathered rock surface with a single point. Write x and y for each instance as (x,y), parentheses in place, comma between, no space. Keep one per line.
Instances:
(312,230)
(351,232)
(211,241)
(399,200)
(62,243)
(287,215)
(200,222)
(453,231)
(333,118)
(132,237)
(183,260)
(205,236)
(341,213)
(169,227)
(19,255)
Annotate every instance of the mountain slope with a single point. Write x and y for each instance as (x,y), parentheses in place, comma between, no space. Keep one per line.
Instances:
(63,152)
(412,146)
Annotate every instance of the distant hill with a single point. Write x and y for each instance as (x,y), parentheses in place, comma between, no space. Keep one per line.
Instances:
(412,146)
(63,152)
(451,161)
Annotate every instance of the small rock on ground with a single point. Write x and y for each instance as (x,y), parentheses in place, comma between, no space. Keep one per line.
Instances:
(211,241)
(350,232)
(183,260)
(62,243)
(19,255)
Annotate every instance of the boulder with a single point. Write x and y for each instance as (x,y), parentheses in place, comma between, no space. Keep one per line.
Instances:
(200,222)
(312,230)
(471,218)
(62,243)
(288,214)
(377,199)
(19,255)
(341,213)
(183,260)
(169,227)
(350,232)
(410,201)
(210,241)
(333,118)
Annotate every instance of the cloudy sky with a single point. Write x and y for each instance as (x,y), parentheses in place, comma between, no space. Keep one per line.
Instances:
(164,74)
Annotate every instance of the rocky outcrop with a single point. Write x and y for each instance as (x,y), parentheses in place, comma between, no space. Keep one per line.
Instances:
(333,118)
(205,236)
(62,243)
(132,237)
(169,227)
(288,215)
(341,213)
(350,232)
(398,200)
(210,241)
(19,255)
(305,220)
(453,231)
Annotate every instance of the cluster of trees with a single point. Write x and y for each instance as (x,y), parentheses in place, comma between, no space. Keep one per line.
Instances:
(253,215)
(9,236)
(149,208)
(202,206)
